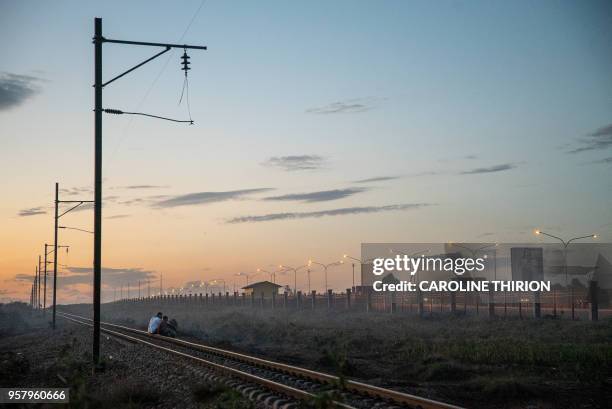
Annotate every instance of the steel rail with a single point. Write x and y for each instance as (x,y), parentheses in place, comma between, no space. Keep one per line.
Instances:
(267,383)
(353,386)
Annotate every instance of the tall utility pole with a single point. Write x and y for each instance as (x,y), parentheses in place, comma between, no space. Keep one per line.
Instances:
(55,219)
(45,283)
(55,245)
(97,254)
(36,289)
(98,41)
(39,280)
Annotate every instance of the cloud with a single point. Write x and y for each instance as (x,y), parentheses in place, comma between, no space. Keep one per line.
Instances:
(32,211)
(113,277)
(24,277)
(377,179)
(322,196)
(138,187)
(606,161)
(207,197)
(456,158)
(490,169)
(118,216)
(598,140)
(15,89)
(348,106)
(426,173)
(296,162)
(76,191)
(332,212)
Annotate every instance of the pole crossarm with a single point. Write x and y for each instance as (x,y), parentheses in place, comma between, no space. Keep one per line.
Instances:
(78,203)
(184,46)
(75,228)
(136,66)
(59,247)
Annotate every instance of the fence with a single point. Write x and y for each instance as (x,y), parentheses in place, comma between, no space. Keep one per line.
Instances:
(577,303)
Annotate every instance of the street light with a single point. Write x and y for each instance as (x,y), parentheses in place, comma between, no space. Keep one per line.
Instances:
(477,250)
(361,263)
(325,266)
(565,245)
(246,275)
(295,270)
(219,280)
(272,273)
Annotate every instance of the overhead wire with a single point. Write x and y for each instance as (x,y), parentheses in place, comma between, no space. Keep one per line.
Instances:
(124,134)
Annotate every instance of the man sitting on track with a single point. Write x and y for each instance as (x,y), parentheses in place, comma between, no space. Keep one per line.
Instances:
(154,323)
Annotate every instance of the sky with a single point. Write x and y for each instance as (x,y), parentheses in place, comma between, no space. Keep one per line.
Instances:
(318,126)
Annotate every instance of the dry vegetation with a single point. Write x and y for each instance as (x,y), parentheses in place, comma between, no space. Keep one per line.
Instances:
(470,361)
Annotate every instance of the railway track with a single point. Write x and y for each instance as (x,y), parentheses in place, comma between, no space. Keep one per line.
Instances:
(284,380)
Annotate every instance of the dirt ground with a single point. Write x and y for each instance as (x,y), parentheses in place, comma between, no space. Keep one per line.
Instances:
(33,355)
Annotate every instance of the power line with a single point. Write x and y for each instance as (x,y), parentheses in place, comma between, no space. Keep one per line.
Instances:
(124,135)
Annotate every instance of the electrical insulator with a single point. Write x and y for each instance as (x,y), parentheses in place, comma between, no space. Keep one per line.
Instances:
(185,62)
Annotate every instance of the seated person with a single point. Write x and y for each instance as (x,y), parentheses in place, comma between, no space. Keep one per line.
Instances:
(167,328)
(154,323)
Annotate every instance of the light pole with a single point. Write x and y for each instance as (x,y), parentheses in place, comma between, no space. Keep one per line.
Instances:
(295,270)
(565,245)
(216,280)
(475,252)
(246,276)
(272,274)
(325,267)
(361,263)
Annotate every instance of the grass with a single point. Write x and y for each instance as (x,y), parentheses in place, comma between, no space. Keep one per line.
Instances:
(443,353)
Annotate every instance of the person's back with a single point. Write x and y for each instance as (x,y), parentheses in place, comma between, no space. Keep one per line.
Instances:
(164,327)
(171,327)
(154,323)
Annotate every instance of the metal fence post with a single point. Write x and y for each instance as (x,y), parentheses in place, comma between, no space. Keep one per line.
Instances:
(537,305)
(285,297)
(593,295)
(421,307)
(313,297)
(348,298)
(329,299)
(298,300)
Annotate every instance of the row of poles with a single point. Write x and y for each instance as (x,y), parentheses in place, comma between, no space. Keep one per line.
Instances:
(38,301)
